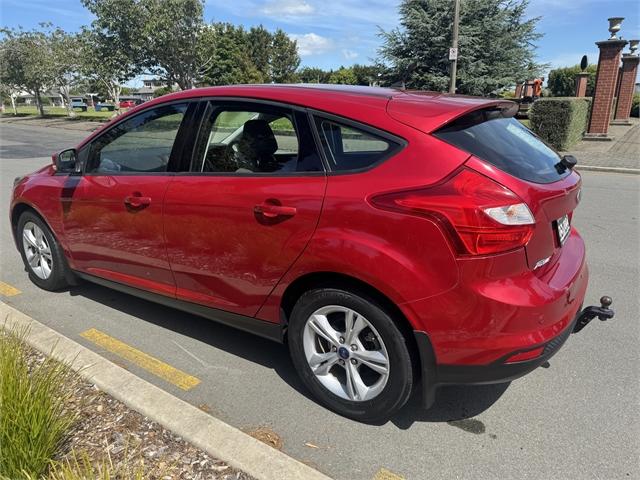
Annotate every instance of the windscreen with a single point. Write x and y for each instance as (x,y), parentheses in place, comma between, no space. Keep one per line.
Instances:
(505,143)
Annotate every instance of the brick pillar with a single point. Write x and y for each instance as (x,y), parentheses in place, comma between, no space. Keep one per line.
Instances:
(581,84)
(518,90)
(627,84)
(528,88)
(606,79)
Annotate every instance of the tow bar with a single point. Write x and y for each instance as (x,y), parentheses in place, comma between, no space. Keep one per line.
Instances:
(603,312)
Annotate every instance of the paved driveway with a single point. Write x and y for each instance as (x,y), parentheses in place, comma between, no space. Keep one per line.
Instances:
(576,419)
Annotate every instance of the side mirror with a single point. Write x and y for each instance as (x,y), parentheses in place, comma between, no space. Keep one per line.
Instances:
(66,161)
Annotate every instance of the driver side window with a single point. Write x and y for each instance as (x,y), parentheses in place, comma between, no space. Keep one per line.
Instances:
(141,144)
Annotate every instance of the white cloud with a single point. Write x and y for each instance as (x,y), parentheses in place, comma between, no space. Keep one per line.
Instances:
(287,8)
(312,43)
(349,54)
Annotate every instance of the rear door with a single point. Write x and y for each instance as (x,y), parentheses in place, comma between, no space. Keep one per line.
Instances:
(246,205)
(112,214)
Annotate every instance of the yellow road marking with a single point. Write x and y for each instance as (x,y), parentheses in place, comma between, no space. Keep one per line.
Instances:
(384,474)
(8,290)
(149,363)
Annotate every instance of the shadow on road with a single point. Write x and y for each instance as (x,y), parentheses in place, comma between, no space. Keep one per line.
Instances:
(453,403)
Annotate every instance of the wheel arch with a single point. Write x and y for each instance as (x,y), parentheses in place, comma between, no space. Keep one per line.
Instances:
(17,211)
(22,207)
(352,284)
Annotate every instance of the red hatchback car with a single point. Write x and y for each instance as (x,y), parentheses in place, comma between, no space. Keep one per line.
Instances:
(386,236)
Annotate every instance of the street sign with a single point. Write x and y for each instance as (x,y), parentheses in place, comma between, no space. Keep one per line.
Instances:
(453,54)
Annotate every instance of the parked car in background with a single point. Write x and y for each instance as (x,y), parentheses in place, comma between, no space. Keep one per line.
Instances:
(78,102)
(130,103)
(105,106)
(390,238)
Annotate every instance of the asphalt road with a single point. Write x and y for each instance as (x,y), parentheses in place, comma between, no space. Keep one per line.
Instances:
(576,419)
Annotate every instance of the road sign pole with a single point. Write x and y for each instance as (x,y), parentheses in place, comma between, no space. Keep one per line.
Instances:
(453,51)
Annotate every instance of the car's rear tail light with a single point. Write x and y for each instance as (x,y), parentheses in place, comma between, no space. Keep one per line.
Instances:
(482,216)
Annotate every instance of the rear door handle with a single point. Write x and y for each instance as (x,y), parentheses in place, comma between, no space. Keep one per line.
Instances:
(136,201)
(271,211)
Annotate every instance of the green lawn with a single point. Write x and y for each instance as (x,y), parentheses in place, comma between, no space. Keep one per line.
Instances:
(30,110)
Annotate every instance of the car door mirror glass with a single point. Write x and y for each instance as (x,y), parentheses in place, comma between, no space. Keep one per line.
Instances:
(66,161)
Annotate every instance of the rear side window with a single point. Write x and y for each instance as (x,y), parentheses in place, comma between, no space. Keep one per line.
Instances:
(351,148)
(255,139)
(504,143)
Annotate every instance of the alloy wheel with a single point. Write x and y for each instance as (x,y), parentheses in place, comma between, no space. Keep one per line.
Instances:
(37,250)
(346,353)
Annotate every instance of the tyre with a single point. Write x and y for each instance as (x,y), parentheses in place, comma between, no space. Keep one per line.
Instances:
(41,253)
(350,354)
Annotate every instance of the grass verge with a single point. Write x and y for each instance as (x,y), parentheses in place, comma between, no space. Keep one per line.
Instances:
(60,112)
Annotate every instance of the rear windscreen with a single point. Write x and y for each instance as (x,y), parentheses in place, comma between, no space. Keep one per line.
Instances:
(505,143)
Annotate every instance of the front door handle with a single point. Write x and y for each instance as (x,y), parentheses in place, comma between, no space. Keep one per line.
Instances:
(137,201)
(271,211)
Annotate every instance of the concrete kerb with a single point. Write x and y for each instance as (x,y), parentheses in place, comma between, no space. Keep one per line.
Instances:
(197,427)
(591,168)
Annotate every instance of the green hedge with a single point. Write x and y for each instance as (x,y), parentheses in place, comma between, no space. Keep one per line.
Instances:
(560,121)
(635,106)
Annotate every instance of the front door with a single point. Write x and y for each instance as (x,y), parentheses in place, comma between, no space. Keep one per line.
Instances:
(113,213)
(247,207)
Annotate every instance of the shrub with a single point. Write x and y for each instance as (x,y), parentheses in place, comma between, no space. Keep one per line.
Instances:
(562,81)
(33,420)
(635,105)
(560,121)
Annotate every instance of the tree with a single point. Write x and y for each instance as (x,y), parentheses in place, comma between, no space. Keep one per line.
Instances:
(344,76)
(26,61)
(171,32)
(226,46)
(562,81)
(11,91)
(106,60)
(285,59)
(259,41)
(366,74)
(160,36)
(495,49)
(66,64)
(313,75)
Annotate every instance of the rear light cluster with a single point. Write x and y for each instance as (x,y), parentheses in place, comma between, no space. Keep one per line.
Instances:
(481,215)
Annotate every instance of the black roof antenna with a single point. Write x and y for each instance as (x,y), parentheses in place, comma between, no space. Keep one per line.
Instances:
(408,71)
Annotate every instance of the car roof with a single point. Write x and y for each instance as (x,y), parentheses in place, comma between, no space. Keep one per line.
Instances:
(377,106)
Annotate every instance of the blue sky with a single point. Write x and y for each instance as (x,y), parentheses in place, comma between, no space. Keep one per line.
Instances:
(331,33)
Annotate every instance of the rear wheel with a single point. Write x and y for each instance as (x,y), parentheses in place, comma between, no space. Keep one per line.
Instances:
(351,355)
(41,253)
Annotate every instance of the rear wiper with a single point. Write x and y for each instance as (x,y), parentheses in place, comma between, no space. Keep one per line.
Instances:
(566,163)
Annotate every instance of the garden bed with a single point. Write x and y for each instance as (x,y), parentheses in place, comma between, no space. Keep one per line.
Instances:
(103,438)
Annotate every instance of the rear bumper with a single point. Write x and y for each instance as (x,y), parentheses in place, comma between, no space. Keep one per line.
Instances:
(435,375)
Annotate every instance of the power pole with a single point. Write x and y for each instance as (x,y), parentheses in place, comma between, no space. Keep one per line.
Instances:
(453,51)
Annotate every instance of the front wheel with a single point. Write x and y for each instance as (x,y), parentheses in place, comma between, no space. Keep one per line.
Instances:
(350,353)
(41,253)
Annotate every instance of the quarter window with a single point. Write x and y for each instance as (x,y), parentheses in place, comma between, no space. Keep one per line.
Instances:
(351,148)
(140,144)
(255,139)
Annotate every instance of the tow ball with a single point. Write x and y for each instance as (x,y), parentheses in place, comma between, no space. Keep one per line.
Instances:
(603,312)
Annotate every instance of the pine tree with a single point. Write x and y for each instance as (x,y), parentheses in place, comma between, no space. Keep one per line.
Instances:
(495,48)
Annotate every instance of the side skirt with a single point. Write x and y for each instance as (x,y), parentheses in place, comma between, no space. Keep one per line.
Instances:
(271,331)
